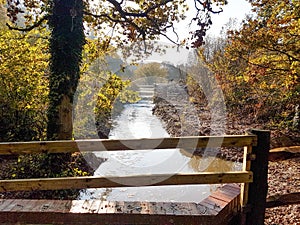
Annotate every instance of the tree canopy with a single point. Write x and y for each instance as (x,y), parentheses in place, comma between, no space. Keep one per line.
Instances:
(151,72)
(23,85)
(258,65)
(113,22)
(123,21)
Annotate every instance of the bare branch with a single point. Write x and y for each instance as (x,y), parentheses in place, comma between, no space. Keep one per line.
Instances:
(166,36)
(157,26)
(110,38)
(157,6)
(207,5)
(286,53)
(35,25)
(261,65)
(124,21)
(123,13)
(103,16)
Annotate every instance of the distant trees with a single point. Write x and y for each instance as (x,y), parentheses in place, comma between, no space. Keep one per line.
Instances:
(103,87)
(258,65)
(127,22)
(151,73)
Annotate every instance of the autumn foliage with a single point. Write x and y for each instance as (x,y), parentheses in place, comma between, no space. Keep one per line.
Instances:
(23,85)
(258,65)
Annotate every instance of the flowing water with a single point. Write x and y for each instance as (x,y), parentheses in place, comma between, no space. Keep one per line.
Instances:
(137,121)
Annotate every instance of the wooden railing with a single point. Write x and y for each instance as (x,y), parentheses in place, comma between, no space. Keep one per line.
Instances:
(253,177)
(131,144)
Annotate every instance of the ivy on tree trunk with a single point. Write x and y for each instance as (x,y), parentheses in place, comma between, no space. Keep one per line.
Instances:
(66,45)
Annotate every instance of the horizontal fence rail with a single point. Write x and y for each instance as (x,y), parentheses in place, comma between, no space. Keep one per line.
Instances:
(124,181)
(15,148)
(255,162)
(252,178)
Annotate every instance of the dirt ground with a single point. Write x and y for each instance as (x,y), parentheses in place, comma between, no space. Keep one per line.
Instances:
(283,176)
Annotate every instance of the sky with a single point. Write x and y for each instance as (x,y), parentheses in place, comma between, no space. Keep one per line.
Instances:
(237,9)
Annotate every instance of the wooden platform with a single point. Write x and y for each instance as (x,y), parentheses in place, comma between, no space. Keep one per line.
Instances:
(217,209)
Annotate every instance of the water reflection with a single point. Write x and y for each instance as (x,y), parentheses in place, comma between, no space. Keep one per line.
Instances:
(137,121)
(212,164)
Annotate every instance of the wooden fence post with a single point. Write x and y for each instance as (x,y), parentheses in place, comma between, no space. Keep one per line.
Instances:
(259,188)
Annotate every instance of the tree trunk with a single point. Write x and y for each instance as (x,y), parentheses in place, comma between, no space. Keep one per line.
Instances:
(66,44)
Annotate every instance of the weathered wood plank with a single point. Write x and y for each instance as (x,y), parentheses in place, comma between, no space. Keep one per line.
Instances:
(5,202)
(217,203)
(226,202)
(281,200)
(94,207)
(124,181)
(9,148)
(134,208)
(190,209)
(145,207)
(100,219)
(81,212)
(227,197)
(232,188)
(283,153)
(61,206)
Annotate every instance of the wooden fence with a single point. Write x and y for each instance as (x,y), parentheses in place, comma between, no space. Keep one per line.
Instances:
(253,176)
(244,176)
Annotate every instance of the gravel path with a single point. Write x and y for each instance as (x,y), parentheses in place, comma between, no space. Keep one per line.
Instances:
(178,115)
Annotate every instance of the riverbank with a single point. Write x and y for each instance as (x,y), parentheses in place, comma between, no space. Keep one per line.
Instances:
(172,105)
(183,118)
(79,165)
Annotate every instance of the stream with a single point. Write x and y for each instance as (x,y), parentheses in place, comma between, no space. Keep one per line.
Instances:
(137,121)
